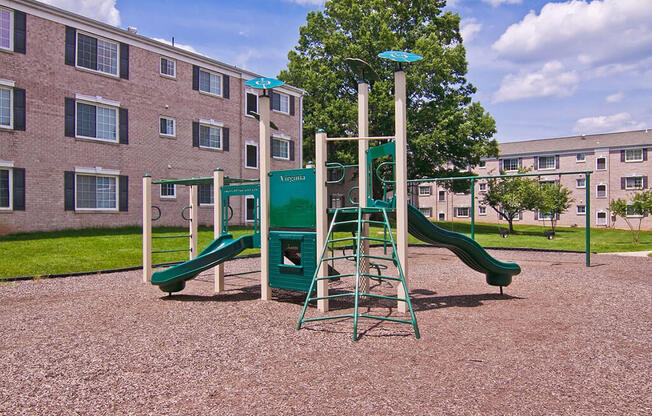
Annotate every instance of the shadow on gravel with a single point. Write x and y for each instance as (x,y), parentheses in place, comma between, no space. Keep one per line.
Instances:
(241,294)
(420,303)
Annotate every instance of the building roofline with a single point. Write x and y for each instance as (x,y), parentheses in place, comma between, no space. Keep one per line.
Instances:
(141,38)
(577,136)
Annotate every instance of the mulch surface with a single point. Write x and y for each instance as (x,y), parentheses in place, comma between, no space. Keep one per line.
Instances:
(563,340)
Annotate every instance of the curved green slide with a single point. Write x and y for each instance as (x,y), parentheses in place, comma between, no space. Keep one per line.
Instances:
(220,250)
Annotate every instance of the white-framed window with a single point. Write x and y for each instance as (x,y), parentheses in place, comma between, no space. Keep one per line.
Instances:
(426,211)
(280,148)
(580,183)
(441,216)
(251,155)
(97,54)
(441,196)
(205,194)
(424,190)
(634,182)
(6,29)
(581,210)
(482,187)
(250,208)
(167,127)
(601,191)
(210,82)
(631,212)
(96,192)
(601,218)
(482,210)
(580,157)
(634,155)
(601,163)
(168,191)
(251,102)
(210,136)
(510,165)
(96,121)
(482,164)
(6,186)
(547,162)
(462,212)
(168,67)
(6,107)
(281,102)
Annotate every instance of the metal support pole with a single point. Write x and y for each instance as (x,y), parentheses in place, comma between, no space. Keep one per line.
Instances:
(363,145)
(147,228)
(218,182)
(194,220)
(265,153)
(321,205)
(588,219)
(473,209)
(401,191)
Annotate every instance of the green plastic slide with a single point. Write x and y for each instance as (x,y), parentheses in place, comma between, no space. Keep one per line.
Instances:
(220,250)
(470,252)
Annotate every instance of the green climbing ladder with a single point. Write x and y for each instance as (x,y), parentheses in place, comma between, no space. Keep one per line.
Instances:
(360,271)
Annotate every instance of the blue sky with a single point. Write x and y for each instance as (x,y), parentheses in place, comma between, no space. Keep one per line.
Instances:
(542,68)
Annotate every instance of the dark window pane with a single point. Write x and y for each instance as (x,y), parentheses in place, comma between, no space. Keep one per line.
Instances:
(252,156)
(86,51)
(205,194)
(86,120)
(4,188)
(252,103)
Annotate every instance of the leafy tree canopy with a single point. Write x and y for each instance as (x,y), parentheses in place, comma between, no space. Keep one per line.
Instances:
(444,124)
(637,208)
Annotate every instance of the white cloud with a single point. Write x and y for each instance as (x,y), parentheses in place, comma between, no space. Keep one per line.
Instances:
(497,3)
(606,124)
(102,10)
(615,98)
(469,28)
(593,33)
(179,45)
(550,81)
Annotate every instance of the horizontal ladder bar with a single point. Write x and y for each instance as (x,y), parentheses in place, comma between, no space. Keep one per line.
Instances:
(172,236)
(335,276)
(372,295)
(334,139)
(171,251)
(340,295)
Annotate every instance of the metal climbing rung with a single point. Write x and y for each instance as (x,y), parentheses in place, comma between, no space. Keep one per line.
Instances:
(357,256)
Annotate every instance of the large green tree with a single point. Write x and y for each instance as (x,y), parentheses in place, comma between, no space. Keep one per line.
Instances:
(444,124)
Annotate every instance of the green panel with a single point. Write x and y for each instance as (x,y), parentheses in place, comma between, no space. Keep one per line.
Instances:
(292,276)
(292,198)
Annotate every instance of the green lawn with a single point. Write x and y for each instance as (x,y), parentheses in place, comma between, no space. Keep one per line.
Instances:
(96,249)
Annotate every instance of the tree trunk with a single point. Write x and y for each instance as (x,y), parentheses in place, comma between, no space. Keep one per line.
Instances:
(511,225)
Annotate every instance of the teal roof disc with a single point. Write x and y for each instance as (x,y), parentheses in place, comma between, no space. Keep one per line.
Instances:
(264,83)
(400,56)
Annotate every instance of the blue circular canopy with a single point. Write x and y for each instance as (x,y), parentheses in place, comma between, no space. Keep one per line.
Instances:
(264,83)
(400,56)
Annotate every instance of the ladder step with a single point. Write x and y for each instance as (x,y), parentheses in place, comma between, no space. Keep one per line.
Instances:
(340,295)
(335,276)
(372,295)
(369,256)
(323,318)
(341,239)
(377,276)
(384,318)
(356,221)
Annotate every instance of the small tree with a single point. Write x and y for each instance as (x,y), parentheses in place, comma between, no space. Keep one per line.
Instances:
(639,207)
(509,196)
(553,200)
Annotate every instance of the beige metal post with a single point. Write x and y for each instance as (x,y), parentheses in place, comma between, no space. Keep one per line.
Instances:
(218,182)
(147,228)
(265,153)
(194,220)
(363,145)
(400,131)
(322,215)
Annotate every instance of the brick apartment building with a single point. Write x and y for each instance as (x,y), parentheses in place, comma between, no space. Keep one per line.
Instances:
(86,109)
(619,162)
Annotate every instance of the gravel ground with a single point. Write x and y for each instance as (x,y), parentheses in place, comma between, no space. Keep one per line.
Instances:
(563,340)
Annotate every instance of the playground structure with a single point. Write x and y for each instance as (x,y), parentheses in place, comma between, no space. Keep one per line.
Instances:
(291,220)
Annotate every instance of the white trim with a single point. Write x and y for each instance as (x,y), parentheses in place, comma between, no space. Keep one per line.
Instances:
(501,163)
(10,188)
(97,37)
(455,212)
(96,99)
(97,170)
(246,198)
(428,188)
(174,123)
(211,122)
(482,210)
(583,160)
(577,210)
(208,71)
(577,186)
(7,83)
(11,30)
(634,176)
(10,126)
(6,164)
(606,166)
(100,139)
(606,217)
(632,215)
(174,76)
(605,190)
(439,214)
(252,92)
(160,191)
(250,143)
(547,156)
(279,110)
(633,160)
(280,138)
(429,215)
(104,174)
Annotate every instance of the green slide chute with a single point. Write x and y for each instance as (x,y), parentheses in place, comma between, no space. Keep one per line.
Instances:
(220,250)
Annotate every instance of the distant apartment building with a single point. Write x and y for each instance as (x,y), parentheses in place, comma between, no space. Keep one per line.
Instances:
(87,109)
(619,162)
